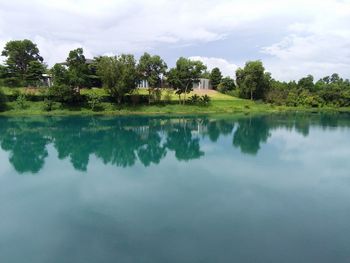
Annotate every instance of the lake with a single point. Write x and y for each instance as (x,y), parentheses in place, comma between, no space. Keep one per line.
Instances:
(270,188)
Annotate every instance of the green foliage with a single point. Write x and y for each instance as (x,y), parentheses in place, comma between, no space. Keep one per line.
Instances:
(63,93)
(118,75)
(253,81)
(184,75)
(205,100)
(3,100)
(20,56)
(59,75)
(226,85)
(199,100)
(215,78)
(35,72)
(77,68)
(328,91)
(151,69)
(48,104)
(21,101)
(94,100)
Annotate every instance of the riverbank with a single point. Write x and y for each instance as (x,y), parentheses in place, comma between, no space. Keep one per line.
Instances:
(219,104)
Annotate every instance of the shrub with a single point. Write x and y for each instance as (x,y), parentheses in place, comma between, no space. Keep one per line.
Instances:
(94,100)
(194,99)
(21,101)
(205,100)
(63,93)
(48,104)
(3,100)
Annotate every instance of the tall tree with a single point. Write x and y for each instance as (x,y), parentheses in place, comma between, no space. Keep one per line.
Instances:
(19,54)
(77,68)
(118,75)
(306,83)
(184,75)
(59,75)
(151,69)
(226,84)
(252,80)
(35,72)
(215,77)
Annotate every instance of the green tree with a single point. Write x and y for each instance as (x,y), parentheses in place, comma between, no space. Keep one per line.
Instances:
(215,77)
(77,68)
(19,54)
(151,69)
(118,75)
(35,73)
(184,75)
(253,81)
(59,75)
(307,83)
(226,84)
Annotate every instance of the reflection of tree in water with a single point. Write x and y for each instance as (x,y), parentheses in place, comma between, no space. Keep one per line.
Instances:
(250,133)
(125,140)
(181,140)
(26,144)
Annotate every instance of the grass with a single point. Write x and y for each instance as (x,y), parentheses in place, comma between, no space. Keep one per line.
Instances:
(220,103)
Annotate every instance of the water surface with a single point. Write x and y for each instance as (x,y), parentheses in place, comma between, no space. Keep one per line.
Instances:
(272,188)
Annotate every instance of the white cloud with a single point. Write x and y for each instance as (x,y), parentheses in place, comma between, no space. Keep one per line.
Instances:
(320,46)
(227,68)
(316,34)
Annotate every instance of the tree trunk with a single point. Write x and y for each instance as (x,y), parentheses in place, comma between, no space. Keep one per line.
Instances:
(251,94)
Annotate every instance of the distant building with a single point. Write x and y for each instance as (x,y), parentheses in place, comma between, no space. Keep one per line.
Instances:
(46,80)
(203,84)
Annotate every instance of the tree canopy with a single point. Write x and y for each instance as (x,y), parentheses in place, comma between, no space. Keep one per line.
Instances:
(215,77)
(184,75)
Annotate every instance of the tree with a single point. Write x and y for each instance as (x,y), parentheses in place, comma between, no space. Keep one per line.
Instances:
(215,77)
(118,75)
(151,69)
(19,54)
(306,83)
(77,68)
(59,75)
(35,72)
(253,81)
(226,84)
(184,75)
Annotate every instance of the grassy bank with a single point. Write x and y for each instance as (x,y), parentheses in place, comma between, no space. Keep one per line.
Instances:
(220,103)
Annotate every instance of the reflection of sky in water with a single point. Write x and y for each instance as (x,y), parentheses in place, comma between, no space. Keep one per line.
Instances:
(289,202)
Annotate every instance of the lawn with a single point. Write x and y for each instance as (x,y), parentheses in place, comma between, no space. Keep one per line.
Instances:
(220,103)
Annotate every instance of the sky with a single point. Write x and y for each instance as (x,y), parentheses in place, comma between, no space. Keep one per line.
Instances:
(293,38)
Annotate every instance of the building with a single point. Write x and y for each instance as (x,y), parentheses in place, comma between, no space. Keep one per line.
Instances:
(203,84)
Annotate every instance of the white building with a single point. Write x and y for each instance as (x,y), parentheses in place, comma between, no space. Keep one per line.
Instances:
(202,84)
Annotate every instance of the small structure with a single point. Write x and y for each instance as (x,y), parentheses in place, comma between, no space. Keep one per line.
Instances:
(203,84)
(46,80)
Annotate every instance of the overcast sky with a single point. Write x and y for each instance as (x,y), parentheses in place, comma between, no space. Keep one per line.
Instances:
(292,37)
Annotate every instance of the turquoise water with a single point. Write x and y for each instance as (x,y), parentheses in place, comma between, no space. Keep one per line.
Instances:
(273,188)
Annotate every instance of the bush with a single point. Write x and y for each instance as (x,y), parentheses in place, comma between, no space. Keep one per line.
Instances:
(63,93)
(3,100)
(21,101)
(199,100)
(194,99)
(94,100)
(48,104)
(205,100)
